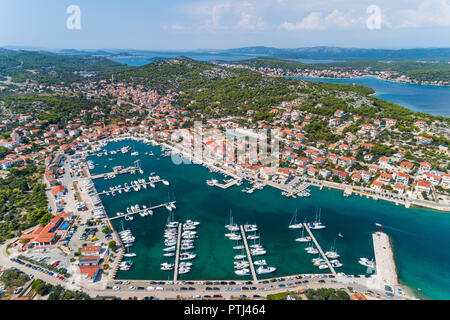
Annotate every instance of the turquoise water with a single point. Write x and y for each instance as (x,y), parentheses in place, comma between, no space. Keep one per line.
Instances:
(420,237)
(421,98)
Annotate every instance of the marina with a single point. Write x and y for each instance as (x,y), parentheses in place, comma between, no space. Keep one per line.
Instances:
(196,200)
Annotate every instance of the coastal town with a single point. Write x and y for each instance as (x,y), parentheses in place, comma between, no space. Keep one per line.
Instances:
(336,72)
(77,247)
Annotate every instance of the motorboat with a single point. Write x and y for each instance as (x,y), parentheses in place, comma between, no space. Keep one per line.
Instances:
(243,272)
(260,262)
(367,263)
(264,269)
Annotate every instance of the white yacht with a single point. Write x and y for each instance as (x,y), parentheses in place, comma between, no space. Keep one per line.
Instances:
(187,256)
(260,262)
(264,269)
(243,272)
(367,263)
(336,263)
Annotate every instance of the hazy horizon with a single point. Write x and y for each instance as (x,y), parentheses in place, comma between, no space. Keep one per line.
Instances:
(189,25)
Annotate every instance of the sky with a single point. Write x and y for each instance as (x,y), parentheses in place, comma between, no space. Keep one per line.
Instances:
(223,24)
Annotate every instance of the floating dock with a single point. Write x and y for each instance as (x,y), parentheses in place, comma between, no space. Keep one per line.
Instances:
(131,170)
(305,225)
(384,259)
(177,254)
(249,256)
(129,187)
(139,211)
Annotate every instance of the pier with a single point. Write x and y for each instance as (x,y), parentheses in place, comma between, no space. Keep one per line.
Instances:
(177,254)
(131,170)
(226,185)
(129,187)
(249,256)
(305,225)
(139,211)
(384,260)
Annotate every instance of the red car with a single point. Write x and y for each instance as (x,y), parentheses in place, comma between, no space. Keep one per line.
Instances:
(61,277)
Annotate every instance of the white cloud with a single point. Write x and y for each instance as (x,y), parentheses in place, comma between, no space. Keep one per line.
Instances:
(334,20)
(430,13)
(230,15)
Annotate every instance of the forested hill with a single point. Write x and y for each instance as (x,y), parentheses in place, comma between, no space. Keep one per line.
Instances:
(215,91)
(50,68)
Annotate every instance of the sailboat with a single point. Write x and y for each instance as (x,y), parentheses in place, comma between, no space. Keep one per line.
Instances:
(332,254)
(303,238)
(316,225)
(231,226)
(293,224)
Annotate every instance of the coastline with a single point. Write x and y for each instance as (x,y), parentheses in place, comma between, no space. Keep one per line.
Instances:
(375,77)
(317,183)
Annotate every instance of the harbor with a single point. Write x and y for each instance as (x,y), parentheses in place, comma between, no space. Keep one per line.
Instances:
(273,215)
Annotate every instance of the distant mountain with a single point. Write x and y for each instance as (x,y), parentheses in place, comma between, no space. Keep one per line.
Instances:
(336,53)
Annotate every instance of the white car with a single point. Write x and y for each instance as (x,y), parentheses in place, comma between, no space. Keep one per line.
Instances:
(116,288)
(132,288)
(126,282)
(150,288)
(159,288)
